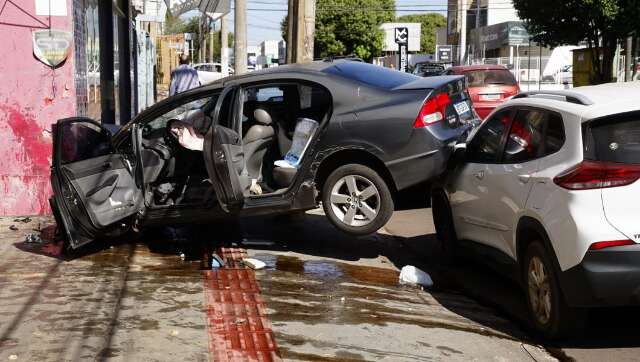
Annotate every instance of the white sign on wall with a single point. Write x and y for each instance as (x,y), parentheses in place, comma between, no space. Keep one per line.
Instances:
(51,7)
(390,44)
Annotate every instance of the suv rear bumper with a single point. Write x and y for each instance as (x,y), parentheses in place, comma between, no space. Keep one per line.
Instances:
(604,278)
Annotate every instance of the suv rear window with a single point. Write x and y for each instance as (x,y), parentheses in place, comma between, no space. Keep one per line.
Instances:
(614,139)
(480,78)
(370,74)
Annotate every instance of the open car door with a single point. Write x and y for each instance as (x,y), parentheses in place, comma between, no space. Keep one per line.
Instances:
(223,154)
(94,186)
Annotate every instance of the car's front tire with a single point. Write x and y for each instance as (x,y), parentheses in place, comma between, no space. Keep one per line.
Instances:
(357,200)
(550,315)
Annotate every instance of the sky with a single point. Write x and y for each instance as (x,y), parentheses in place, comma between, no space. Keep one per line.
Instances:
(264,16)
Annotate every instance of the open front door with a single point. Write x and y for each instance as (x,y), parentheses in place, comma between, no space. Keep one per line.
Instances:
(94,186)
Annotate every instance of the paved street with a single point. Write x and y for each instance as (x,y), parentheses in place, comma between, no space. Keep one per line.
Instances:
(329,297)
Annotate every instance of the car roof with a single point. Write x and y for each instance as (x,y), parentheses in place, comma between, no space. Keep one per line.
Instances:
(588,102)
(463,68)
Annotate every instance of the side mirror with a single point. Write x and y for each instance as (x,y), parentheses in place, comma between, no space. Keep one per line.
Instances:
(457,156)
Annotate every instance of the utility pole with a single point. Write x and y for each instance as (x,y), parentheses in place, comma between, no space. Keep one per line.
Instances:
(240,37)
(224,45)
(210,39)
(462,12)
(309,24)
(291,30)
(628,59)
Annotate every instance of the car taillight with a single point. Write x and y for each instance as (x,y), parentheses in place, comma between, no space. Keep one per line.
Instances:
(432,111)
(597,175)
(611,243)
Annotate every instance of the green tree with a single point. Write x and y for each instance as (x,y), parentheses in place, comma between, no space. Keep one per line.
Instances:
(349,27)
(176,25)
(601,23)
(429,23)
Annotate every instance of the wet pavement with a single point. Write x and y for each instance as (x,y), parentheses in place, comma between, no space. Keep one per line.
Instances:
(329,297)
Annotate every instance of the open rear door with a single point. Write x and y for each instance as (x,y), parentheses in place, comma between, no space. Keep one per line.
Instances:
(225,161)
(94,187)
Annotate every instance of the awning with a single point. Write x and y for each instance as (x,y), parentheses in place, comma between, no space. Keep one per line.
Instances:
(213,8)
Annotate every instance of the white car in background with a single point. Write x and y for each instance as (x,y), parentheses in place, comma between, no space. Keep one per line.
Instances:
(548,187)
(209,72)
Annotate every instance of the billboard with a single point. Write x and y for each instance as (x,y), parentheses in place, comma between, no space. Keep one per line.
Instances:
(413,36)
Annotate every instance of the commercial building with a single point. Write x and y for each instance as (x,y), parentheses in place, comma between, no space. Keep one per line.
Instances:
(465,15)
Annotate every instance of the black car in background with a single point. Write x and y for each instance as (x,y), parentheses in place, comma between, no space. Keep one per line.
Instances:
(343,133)
(428,69)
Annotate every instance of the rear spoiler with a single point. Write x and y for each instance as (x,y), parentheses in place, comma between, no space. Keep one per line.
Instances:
(430,82)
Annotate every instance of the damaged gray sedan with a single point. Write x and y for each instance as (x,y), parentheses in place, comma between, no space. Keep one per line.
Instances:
(344,134)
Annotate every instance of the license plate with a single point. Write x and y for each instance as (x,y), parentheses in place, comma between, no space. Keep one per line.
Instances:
(461,108)
(490,97)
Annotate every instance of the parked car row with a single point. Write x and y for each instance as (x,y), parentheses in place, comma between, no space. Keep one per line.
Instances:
(546,183)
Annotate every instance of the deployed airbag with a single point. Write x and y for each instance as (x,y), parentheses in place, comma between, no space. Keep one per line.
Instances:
(187,136)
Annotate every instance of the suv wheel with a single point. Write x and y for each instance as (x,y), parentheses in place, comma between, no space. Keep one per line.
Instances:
(356,199)
(551,316)
(445,229)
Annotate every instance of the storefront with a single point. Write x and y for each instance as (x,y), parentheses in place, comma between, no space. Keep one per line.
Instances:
(35,91)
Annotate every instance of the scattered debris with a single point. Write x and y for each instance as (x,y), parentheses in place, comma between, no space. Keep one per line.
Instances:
(33,238)
(24,220)
(412,275)
(254,263)
(13,227)
(216,261)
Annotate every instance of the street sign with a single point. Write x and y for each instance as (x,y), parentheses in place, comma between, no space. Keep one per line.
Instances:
(445,53)
(402,39)
(51,46)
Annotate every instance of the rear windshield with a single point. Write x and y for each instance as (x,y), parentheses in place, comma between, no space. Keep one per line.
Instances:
(614,139)
(370,74)
(480,78)
(428,68)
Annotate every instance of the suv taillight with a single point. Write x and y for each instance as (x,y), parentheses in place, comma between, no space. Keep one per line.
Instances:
(433,110)
(597,175)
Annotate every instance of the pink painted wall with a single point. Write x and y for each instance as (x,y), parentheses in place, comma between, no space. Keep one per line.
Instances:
(28,107)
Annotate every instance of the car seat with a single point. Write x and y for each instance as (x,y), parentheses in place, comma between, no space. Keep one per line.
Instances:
(257,140)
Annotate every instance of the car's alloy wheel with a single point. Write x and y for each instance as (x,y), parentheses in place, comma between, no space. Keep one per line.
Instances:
(550,314)
(539,290)
(355,200)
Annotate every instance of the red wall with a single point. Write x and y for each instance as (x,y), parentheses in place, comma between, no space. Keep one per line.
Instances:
(28,107)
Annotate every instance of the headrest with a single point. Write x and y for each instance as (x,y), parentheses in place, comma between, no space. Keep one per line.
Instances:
(262,116)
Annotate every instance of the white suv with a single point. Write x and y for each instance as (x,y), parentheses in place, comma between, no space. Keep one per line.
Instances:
(548,185)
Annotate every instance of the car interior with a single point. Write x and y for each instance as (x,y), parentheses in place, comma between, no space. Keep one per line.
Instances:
(276,122)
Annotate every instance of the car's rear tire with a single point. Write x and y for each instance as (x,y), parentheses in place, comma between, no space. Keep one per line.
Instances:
(445,229)
(550,315)
(356,199)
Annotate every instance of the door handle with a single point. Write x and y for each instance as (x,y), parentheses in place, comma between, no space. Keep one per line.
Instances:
(479,175)
(524,178)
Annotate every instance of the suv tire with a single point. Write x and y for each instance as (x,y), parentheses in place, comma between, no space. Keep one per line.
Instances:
(445,229)
(357,200)
(555,319)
